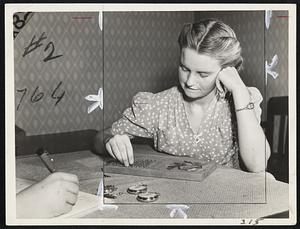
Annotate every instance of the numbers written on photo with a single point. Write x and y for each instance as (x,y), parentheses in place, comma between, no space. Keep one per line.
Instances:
(37,95)
(20,21)
(251,221)
(36,43)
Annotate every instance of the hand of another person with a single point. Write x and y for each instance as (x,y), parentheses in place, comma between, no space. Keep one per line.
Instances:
(231,79)
(120,148)
(53,196)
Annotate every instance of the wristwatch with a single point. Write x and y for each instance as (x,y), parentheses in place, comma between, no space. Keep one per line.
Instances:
(249,106)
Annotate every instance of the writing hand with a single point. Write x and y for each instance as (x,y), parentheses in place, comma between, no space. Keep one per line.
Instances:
(53,196)
(120,148)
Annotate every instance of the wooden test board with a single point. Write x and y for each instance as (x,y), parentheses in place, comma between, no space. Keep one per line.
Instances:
(154,165)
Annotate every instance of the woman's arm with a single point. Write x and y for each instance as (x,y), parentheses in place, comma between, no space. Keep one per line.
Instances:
(137,120)
(254,148)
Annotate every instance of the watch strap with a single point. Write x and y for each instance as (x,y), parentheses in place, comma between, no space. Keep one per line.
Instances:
(249,106)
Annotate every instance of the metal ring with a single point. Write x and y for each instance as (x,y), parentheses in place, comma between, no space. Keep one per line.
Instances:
(137,189)
(148,197)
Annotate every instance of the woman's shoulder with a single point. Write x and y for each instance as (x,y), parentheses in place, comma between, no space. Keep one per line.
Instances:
(167,94)
(155,98)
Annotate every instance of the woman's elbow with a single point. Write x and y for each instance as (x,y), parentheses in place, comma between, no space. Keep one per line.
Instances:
(257,168)
(267,151)
(259,164)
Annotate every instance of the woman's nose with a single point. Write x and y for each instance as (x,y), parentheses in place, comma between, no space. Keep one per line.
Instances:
(191,79)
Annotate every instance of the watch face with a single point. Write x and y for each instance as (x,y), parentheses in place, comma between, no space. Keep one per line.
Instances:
(250,106)
(148,197)
(136,189)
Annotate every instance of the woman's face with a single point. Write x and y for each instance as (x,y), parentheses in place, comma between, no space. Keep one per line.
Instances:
(197,73)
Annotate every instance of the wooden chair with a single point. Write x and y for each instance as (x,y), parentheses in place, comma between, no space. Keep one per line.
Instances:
(277,131)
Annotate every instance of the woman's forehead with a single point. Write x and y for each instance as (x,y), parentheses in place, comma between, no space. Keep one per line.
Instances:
(193,60)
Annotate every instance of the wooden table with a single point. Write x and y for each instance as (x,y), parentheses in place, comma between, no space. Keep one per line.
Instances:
(226,193)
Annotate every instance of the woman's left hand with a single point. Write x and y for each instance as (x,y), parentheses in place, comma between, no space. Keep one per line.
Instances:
(231,79)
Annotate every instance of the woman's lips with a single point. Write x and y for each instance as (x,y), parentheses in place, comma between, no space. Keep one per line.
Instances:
(192,89)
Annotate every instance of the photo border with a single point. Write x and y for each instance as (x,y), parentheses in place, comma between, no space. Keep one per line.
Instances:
(10,184)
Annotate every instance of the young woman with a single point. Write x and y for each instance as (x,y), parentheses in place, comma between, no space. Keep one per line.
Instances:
(210,115)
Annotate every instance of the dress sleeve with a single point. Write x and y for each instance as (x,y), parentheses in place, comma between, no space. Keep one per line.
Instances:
(256,98)
(139,119)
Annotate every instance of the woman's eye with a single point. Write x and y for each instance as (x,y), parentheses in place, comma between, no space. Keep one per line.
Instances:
(203,75)
(184,68)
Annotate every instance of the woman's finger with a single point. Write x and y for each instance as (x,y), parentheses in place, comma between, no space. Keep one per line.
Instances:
(66,177)
(109,150)
(73,188)
(71,198)
(122,149)
(116,151)
(129,150)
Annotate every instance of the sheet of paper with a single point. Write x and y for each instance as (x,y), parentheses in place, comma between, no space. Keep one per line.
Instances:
(22,184)
(86,203)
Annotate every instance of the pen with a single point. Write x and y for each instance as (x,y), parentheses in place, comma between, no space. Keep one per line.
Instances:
(45,157)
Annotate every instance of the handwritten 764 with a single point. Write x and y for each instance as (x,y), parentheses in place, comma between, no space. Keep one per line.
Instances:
(37,95)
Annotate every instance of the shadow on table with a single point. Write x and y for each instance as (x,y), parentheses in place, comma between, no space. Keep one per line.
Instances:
(281,215)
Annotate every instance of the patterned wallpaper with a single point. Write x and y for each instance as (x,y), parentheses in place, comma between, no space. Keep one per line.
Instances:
(141,54)
(40,84)
(277,43)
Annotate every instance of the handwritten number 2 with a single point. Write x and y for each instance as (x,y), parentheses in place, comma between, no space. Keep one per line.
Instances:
(24,93)
(50,56)
(34,44)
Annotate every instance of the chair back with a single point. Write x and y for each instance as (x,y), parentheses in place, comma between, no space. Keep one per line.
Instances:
(277,124)
(277,131)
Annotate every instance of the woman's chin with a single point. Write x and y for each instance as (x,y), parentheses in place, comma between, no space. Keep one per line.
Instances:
(193,95)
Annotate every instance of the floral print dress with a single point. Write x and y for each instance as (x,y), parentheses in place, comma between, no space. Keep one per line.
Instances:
(162,116)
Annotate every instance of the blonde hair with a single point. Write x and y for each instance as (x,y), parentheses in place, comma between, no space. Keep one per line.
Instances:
(214,38)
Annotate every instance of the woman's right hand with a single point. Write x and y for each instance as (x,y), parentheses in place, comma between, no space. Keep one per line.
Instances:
(53,196)
(120,148)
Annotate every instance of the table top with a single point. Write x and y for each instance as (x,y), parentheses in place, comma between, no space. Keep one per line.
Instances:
(226,193)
